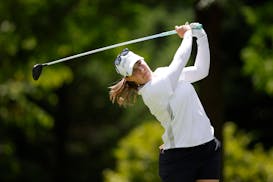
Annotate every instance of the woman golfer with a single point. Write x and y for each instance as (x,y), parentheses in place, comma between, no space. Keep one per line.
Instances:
(190,152)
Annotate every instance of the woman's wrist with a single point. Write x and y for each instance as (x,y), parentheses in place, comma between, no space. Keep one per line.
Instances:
(188,33)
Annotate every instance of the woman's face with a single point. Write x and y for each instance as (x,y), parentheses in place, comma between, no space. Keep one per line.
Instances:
(141,73)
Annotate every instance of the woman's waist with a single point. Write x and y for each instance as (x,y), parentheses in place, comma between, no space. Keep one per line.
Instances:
(189,148)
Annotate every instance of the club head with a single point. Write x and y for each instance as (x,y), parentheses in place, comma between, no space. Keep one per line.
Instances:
(36,71)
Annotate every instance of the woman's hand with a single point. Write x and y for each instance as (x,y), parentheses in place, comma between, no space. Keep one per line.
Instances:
(182,29)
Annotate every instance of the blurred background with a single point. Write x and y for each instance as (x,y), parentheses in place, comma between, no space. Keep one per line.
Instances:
(63,126)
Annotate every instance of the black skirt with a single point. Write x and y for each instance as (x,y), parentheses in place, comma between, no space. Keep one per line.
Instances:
(190,164)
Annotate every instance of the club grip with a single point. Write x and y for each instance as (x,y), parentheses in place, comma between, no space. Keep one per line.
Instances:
(198,26)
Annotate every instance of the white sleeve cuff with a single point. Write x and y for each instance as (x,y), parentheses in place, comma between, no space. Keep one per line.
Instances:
(188,33)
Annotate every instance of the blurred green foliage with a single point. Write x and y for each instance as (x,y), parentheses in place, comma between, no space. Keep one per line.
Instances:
(243,162)
(137,156)
(258,53)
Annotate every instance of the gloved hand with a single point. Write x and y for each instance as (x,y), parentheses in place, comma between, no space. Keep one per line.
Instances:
(197,30)
(195,25)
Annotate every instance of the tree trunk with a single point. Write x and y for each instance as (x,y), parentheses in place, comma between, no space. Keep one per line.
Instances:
(211,95)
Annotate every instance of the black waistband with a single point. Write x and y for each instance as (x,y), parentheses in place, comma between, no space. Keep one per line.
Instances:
(213,141)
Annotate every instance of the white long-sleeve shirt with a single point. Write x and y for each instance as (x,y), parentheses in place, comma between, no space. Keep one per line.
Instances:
(173,100)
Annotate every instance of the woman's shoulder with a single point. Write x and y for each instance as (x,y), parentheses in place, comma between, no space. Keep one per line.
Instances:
(161,70)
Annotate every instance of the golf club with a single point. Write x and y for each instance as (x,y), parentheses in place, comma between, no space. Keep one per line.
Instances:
(38,68)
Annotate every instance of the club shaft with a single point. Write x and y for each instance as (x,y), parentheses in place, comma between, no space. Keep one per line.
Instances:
(163,34)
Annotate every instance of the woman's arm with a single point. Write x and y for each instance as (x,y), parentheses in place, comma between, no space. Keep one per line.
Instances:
(202,62)
(182,55)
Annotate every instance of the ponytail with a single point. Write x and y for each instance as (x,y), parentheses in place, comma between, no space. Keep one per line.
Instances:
(124,92)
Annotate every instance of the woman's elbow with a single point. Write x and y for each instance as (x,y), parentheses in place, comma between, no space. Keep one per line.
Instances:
(204,74)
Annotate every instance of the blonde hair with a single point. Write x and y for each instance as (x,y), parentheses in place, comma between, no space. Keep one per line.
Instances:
(124,92)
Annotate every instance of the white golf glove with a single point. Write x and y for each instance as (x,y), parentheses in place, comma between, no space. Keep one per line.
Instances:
(196,31)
